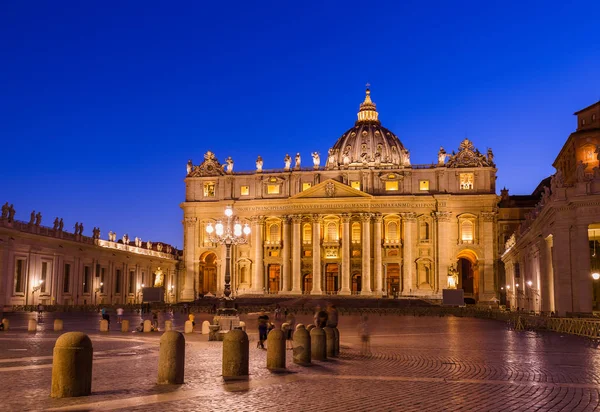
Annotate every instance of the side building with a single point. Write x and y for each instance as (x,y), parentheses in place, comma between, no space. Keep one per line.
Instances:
(39,264)
(367,222)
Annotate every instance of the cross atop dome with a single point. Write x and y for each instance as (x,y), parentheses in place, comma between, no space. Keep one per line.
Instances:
(368,109)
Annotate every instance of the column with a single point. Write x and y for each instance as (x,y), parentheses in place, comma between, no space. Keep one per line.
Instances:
(377,254)
(366,254)
(409,220)
(296,255)
(486,265)
(190,230)
(443,247)
(582,279)
(546,275)
(316,251)
(258,283)
(346,235)
(285,256)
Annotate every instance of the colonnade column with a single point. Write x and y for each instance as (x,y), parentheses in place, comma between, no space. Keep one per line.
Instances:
(189,227)
(296,256)
(443,247)
(486,266)
(546,275)
(366,254)
(582,279)
(377,252)
(258,282)
(285,256)
(409,223)
(345,254)
(316,252)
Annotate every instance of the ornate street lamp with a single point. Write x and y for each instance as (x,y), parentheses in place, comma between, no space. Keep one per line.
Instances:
(229,233)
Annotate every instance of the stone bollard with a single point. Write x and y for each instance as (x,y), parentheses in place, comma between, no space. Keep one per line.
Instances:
(205,327)
(318,345)
(301,346)
(6,323)
(147,326)
(310,327)
(72,366)
(300,325)
(168,325)
(337,342)
(329,341)
(189,327)
(171,358)
(58,325)
(32,325)
(243,325)
(103,325)
(276,349)
(236,354)
(125,325)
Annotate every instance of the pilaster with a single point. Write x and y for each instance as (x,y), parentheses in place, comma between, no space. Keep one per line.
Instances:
(366,254)
(190,227)
(285,256)
(345,290)
(316,252)
(409,220)
(377,249)
(296,255)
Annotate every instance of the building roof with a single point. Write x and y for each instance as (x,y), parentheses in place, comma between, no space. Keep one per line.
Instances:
(586,108)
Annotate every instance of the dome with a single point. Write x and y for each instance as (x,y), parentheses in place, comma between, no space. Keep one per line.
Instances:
(368,144)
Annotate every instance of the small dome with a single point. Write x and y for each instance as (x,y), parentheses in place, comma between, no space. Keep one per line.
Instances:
(368,144)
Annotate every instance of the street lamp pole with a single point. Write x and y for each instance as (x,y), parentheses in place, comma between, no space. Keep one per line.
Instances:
(228,234)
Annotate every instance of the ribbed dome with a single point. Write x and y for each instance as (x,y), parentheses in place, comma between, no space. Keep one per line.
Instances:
(367,144)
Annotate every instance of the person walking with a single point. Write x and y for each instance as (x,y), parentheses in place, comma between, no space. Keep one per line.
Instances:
(332,316)
(365,336)
(263,324)
(290,319)
(120,315)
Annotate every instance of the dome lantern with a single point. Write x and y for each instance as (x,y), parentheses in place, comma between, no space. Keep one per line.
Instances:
(368,109)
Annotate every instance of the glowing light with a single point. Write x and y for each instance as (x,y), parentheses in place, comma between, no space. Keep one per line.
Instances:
(210,229)
(507,287)
(219,229)
(529,283)
(228,211)
(517,285)
(237,229)
(595,275)
(246,229)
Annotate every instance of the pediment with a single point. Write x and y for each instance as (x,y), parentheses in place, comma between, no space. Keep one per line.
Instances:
(330,189)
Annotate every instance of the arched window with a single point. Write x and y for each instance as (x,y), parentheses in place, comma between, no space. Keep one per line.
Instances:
(392,231)
(274,233)
(307,233)
(332,232)
(356,232)
(424,231)
(466,231)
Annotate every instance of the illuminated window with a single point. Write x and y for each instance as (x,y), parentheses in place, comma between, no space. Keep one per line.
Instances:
(466,181)
(355,184)
(466,231)
(306,233)
(244,190)
(356,232)
(391,186)
(273,189)
(209,189)
(332,232)
(306,185)
(423,184)
(274,233)
(307,253)
(356,253)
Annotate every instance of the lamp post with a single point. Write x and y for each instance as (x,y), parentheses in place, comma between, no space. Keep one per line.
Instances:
(229,233)
(98,289)
(36,288)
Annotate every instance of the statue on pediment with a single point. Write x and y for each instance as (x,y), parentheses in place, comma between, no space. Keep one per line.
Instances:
(209,167)
(442,155)
(287,160)
(469,156)
(229,167)
(159,278)
(190,166)
(298,160)
(259,164)
(316,159)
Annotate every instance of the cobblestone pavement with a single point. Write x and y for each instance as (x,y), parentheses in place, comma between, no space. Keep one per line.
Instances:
(415,364)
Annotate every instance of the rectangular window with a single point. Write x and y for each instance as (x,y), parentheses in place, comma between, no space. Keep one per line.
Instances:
(86,279)
(423,184)
(466,181)
(44,277)
(209,189)
(67,279)
(102,273)
(19,269)
(131,281)
(391,186)
(306,186)
(355,184)
(244,190)
(273,189)
(118,280)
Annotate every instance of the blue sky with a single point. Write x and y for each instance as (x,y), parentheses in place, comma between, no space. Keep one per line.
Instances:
(102,103)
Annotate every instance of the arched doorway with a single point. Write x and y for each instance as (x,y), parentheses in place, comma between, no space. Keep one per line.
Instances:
(468,274)
(393,279)
(307,283)
(208,273)
(331,278)
(274,276)
(356,283)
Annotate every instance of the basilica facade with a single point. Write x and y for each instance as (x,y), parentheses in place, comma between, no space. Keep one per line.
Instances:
(364,220)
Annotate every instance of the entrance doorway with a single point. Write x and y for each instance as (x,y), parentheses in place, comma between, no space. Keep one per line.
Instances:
(274,275)
(393,279)
(208,281)
(307,283)
(331,278)
(356,283)
(468,274)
